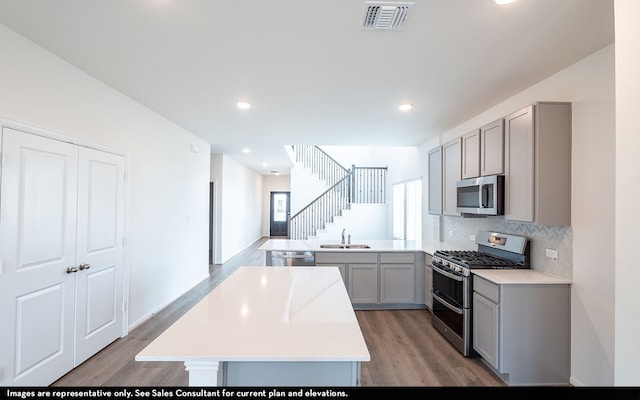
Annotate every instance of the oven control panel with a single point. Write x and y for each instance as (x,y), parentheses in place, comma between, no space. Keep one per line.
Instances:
(448,265)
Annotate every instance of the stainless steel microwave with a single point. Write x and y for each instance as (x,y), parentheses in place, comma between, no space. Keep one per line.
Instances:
(481,196)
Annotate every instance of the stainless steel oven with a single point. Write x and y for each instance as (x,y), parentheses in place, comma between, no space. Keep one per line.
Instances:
(453,282)
(451,312)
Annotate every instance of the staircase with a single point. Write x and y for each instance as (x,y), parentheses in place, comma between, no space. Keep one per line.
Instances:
(365,185)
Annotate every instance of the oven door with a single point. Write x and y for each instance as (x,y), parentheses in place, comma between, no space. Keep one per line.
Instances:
(450,287)
(451,313)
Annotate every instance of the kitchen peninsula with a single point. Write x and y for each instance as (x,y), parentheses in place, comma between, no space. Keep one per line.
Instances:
(378,274)
(268,327)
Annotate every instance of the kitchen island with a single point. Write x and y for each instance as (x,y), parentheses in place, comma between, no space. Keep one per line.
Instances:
(268,327)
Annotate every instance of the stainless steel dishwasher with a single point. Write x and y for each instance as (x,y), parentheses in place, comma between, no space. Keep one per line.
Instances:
(291,258)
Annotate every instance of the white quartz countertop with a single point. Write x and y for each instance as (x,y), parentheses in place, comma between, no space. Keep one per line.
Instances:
(519,277)
(267,314)
(374,245)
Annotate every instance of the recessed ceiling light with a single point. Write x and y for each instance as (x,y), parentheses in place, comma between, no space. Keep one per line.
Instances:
(243,105)
(405,107)
(246,150)
(502,2)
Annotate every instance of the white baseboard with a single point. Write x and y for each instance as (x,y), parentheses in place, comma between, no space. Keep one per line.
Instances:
(155,311)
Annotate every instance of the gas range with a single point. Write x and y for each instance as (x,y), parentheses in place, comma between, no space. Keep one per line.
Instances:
(452,283)
(495,251)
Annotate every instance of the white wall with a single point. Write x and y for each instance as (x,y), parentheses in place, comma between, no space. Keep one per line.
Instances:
(272,183)
(241,213)
(168,184)
(306,187)
(589,85)
(627,218)
(403,163)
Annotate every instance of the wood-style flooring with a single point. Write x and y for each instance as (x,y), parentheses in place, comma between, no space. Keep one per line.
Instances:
(405,349)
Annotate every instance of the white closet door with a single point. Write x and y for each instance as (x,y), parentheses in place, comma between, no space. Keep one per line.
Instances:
(100,248)
(37,244)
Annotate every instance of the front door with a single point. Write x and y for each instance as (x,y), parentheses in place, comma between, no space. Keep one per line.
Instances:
(279,220)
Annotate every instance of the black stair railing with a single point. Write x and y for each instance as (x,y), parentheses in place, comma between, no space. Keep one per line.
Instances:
(322,164)
(358,185)
(316,214)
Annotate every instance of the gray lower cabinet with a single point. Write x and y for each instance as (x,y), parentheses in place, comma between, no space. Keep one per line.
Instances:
(363,283)
(397,278)
(377,280)
(428,283)
(522,331)
(396,283)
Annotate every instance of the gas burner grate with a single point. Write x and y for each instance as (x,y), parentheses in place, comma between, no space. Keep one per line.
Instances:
(475,259)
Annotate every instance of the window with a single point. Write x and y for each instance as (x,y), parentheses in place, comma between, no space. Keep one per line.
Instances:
(407,210)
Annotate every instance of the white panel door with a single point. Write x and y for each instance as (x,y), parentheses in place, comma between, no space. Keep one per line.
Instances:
(99,251)
(37,245)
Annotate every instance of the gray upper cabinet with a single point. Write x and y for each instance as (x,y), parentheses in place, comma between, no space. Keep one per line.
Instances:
(492,148)
(538,164)
(435,181)
(451,174)
(471,154)
(483,151)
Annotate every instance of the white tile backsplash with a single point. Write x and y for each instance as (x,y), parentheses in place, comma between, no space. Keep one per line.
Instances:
(558,238)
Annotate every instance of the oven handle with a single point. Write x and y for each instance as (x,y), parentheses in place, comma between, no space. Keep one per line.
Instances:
(450,306)
(448,274)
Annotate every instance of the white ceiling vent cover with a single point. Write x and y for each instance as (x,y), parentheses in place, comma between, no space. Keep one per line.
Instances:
(385,16)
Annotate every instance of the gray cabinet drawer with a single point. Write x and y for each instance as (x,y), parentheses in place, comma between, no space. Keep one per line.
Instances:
(345,257)
(489,290)
(397,258)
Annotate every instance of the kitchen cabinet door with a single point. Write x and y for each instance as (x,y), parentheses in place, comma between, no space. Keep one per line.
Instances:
(397,283)
(435,181)
(519,174)
(363,283)
(428,284)
(538,164)
(452,166)
(471,154)
(486,325)
(492,148)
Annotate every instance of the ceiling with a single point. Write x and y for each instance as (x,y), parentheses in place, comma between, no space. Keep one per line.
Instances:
(310,73)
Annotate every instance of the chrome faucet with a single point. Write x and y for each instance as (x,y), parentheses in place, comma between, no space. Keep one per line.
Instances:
(343,235)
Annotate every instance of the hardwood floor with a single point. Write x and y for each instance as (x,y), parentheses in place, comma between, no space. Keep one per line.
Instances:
(405,349)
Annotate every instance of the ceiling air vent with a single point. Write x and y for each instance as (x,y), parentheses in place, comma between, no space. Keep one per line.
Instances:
(385,16)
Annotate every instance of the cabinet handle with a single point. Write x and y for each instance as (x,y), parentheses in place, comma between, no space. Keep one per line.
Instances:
(71,269)
(84,266)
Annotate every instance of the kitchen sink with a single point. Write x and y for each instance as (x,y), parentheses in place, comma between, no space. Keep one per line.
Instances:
(345,246)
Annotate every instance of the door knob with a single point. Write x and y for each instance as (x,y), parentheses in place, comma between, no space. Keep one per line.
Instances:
(84,266)
(71,269)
